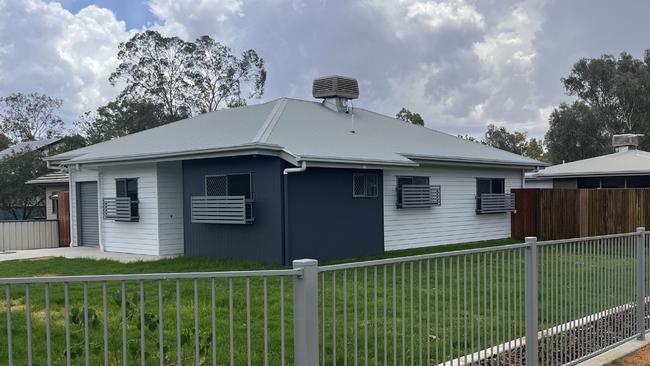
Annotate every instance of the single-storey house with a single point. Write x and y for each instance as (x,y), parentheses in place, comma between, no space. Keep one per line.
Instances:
(628,167)
(54,183)
(290,179)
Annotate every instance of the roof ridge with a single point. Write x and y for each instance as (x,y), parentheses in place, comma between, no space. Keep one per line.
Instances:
(271,120)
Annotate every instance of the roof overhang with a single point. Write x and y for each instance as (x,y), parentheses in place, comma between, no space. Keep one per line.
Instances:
(440,160)
(253,149)
(593,174)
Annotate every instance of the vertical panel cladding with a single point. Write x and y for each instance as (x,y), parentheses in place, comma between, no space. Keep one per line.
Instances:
(260,241)
(455,220)
(326,222)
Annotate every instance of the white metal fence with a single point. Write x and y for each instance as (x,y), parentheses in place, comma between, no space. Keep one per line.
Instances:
(575,297)
(32,234)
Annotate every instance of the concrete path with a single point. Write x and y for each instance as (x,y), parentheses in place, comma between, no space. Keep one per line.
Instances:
(617,352)
(75,252)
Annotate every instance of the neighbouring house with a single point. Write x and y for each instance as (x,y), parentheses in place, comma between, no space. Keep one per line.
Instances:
(290,179)
(46,146)
(54,183)
(628,167)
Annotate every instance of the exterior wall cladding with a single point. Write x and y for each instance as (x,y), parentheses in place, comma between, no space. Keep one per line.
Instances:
(325,222)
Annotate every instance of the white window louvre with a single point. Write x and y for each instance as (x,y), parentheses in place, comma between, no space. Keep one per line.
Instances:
(119,209)
(220,210)
(495,203)
(419,196)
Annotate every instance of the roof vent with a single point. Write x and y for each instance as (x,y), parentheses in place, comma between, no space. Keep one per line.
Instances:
(625,142)
(335,87)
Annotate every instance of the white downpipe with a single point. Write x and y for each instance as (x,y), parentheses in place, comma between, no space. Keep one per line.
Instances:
(301,168)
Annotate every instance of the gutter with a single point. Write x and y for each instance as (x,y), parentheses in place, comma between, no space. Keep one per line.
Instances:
(285,206)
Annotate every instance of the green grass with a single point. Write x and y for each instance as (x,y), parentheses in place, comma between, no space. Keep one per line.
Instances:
(456,290)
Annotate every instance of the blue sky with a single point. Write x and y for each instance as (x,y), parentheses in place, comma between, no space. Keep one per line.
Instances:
(462,64)
(134,13)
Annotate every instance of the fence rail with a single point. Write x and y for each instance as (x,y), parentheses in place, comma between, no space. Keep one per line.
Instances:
(36,234)
(575,298)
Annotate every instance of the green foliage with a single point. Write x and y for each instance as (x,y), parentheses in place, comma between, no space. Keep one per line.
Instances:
(5,141)
(120,118)
(29,117)
(68,143)
(515,142)
(186,77)
(15,196)
(576,132)
(410,117)
(613,98)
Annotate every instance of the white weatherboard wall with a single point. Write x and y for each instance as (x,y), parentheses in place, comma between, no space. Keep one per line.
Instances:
(139,237)
(455,220)
(159,230)
(170,208)
(76,176)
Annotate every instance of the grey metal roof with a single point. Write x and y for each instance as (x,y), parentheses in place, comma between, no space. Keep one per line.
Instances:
(305,130)
(50,179)
(28,145)
(630,162)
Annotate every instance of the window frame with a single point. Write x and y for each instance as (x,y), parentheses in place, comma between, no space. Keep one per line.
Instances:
(503,180)
(135,203)
(398,186)
(250,183)
(365,185)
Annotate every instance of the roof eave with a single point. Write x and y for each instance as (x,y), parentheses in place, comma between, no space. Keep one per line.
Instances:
(465,161)
(250,149)
(593,174)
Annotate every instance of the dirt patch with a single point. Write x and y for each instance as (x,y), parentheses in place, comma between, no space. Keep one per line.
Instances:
(638,358)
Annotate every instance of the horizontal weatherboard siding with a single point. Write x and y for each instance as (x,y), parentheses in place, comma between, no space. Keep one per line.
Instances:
(140,237)
(455,220)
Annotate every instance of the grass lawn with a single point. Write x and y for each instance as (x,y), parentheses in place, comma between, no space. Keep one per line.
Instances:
(473,302)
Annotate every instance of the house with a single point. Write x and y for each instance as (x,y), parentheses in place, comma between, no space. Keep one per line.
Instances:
(628,167)
(290,179)
(45,145)
(54,183)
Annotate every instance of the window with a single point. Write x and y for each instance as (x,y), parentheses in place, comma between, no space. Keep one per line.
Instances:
(128,187)
(365,185)
(54,198)
(490,185)
(231,185)
(408,180)
(228,185)
(491,196)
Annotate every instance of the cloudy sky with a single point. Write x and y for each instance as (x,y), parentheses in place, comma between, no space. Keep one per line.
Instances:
(462,64)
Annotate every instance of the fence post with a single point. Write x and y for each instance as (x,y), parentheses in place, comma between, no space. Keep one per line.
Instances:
(640,282)
(305,312)
(530,267)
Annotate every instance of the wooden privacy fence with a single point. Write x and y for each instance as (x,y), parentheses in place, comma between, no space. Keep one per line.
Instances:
(18,235)
(64,219)
(571,213)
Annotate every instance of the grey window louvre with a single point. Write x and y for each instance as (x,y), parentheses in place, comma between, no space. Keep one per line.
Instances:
(495,203)
(418,196)
(221,210)
(119,209)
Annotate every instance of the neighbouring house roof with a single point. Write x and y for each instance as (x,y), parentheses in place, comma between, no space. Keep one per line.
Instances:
(630,162)
(56,178)
(28,145)
(299,131)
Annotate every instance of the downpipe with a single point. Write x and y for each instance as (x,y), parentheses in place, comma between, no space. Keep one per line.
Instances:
(286,172)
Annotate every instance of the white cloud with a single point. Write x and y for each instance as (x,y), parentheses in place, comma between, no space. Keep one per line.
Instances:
(190,19)
(46,48)
(406,16)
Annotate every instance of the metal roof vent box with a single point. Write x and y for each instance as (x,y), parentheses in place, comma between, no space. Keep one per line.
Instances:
(624,142)
(335,86)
